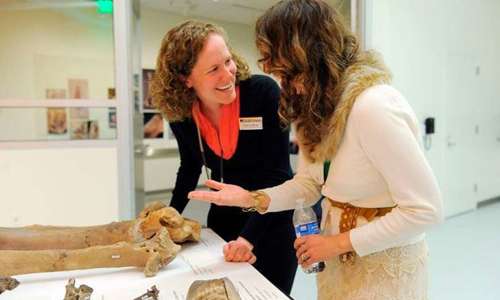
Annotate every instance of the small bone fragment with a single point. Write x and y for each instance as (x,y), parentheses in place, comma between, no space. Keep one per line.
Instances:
(154,217)
(214,289)
(151,254)
(151,294)
(7,284)
(77,293)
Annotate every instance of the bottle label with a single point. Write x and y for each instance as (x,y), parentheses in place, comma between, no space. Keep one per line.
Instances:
(307,228)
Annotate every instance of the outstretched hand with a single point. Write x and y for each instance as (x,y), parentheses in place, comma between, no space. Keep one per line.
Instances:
(225,194)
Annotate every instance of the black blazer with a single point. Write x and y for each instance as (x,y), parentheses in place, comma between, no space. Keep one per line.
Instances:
(261,160)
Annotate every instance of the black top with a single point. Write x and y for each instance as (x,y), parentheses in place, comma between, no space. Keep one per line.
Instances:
(261,160)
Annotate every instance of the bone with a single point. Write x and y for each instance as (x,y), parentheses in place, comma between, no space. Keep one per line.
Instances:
(214,289)
(7,284)
(151,255)
(154,217)
(83,292)
(151,294)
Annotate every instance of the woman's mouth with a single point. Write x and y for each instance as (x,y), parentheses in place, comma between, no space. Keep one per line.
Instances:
(225,87)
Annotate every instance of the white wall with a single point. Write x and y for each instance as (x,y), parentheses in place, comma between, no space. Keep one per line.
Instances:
(444,58)
(58,186)
(155,25)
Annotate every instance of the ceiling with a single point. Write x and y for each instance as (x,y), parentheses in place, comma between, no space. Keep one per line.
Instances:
(235,11)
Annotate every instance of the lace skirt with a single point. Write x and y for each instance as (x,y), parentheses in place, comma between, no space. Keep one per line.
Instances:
(398,273)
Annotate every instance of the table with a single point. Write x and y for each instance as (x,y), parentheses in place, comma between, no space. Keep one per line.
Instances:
(203,260)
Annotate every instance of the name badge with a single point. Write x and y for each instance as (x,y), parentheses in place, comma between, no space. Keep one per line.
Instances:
(251,123)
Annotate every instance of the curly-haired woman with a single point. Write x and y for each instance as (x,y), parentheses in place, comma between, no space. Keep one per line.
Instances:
(226,120)
(380,193)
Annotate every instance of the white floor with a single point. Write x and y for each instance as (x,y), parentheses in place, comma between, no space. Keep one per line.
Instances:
(464,259)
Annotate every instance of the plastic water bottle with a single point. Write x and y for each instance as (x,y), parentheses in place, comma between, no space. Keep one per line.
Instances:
(306,223)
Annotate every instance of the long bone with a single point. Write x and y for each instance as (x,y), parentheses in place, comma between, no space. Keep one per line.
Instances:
(154,217)
(151,254)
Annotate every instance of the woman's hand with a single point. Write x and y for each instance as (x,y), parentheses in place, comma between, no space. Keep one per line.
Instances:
(239,250)
(226,194)
(315,248)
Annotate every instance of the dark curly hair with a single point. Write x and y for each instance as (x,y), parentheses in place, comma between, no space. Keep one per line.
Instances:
(306,42)
(177,56)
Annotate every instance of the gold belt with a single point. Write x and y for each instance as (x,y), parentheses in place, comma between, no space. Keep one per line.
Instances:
(348,220)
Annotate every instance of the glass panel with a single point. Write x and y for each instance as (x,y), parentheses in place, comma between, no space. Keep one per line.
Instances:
(55,49)
(58,123)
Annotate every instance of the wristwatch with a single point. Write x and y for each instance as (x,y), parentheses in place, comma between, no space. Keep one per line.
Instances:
(258,198)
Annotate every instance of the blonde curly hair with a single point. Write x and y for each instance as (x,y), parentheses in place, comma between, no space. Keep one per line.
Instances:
(177,56)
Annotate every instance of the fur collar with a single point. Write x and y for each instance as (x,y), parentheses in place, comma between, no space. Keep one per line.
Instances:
(368,71)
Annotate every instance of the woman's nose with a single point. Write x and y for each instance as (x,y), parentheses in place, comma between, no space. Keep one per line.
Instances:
(229,71)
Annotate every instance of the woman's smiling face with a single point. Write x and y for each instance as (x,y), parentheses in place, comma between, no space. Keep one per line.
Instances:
(214,74)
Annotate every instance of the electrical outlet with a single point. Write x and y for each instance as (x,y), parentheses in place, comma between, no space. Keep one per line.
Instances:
(476,188)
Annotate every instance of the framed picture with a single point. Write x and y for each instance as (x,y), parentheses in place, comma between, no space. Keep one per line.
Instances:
(55,94)
(112,117)
(111,94)
(147,76)
(84,129)
(57,120)
(78,88)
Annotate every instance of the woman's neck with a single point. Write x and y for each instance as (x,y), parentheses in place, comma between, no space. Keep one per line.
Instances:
(212,112)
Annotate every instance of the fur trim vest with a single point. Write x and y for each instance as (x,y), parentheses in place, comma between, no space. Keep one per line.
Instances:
(369,70)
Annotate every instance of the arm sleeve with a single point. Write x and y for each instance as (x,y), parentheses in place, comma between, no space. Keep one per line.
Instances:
(189,170)
(306,184)
(387,131)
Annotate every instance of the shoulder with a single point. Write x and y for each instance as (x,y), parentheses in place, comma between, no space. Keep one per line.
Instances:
(259,84)
(380,101)
(181,126)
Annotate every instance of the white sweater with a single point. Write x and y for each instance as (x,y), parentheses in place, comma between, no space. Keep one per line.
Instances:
(379,163)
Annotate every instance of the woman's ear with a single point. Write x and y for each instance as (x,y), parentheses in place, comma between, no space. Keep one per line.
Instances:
(187,81)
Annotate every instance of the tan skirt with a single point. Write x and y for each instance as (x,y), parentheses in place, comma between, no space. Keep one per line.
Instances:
(398,273)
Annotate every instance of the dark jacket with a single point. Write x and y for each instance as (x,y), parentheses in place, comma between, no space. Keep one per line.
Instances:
(261,160)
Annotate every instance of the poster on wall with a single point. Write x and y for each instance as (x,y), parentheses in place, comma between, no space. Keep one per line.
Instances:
(57,120)
(112,117)
(84,129)
(55,94)
(153,126)
(78,88)
(147,76)
(111,94)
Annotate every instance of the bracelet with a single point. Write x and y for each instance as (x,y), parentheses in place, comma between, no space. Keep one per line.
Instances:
(258,199)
